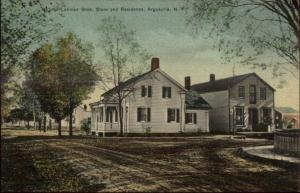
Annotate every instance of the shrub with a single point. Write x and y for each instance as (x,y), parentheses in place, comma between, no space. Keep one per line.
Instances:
(86,126)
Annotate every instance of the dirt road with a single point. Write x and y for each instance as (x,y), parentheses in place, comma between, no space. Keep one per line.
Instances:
(155,164)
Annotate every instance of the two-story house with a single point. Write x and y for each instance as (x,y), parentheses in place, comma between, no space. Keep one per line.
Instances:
(239,103)
(156,103)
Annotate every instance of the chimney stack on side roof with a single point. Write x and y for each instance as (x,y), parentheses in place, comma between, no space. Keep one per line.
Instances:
(212,77)
(187,82)
(154,63)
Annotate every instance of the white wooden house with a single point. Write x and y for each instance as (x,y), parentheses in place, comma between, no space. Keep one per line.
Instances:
(239,103)
(156,104)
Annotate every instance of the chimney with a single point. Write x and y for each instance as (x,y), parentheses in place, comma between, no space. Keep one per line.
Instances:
(212,77)
(187,82)
(154,63)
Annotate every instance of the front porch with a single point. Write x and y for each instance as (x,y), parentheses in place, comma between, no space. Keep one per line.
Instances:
(105,118)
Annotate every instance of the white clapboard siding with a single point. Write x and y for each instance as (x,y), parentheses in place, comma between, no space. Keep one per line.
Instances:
(202,124)
(219,114)
(157,104)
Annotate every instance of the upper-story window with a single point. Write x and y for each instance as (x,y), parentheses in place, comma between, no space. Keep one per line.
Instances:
(166,92)
(252,94)
(173,115)
(263,93)
(241,92)
(146,91)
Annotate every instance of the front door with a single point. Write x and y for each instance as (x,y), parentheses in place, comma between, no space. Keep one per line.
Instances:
(253,119)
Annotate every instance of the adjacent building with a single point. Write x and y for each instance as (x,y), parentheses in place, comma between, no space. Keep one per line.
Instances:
(239,103)
(286,118)
(154,103)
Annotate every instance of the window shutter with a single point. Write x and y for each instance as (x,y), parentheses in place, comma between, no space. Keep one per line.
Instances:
(195,118)
(149,114)
(169,115)
(164,92)
(186,118)
(143,91)
(169,92)
(139,114)
(177,116)
(149,91)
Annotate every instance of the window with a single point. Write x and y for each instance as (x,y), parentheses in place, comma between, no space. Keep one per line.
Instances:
(263,93)
(241,92)
(146,91)
(101,114)
(116,115)
(191,118)
(252,94)
(166,92)
(173,115)
(266,115)
(143,114)
(239,115)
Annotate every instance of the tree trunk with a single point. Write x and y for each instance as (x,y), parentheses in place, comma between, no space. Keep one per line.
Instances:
(50,124)
(34,125)
(121,119)
(27,124)
(70,123)
(40,125)
(45,124)
(59,127)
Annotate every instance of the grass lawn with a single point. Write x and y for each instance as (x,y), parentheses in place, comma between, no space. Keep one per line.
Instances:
(33,162)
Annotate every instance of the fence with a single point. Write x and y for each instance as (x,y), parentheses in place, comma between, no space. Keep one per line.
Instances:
(287,141)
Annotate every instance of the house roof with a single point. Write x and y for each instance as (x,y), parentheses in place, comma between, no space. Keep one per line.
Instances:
(194,101)
(224,84)
(139,77)
(286,110)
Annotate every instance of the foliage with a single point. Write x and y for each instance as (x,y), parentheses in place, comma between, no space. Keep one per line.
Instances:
(62,75)
(19,114)
(23,24)
(257,33)
(125,58)
(85,126)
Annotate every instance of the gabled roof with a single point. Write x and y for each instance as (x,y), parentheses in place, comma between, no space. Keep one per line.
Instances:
(224,84)
(286,110)
(139,77)
(194,101)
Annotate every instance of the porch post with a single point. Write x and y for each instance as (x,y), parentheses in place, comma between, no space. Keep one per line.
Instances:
(97,111)
(104,120)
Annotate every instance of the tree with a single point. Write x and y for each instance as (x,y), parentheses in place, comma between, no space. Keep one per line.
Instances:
(44,80)
(78,74)
(252,32)
(125,58)
(28,101)
(23,23)
(62,76)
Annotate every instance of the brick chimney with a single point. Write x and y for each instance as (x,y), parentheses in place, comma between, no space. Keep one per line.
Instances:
(187,82)
(154,63)
(212,77)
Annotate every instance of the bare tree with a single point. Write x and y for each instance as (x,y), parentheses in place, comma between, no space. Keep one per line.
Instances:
(252,32)
(125,59)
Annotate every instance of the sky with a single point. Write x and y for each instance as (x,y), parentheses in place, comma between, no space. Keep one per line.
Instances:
(164,34)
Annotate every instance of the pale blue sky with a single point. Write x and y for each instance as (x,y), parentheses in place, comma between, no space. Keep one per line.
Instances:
(165,35)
